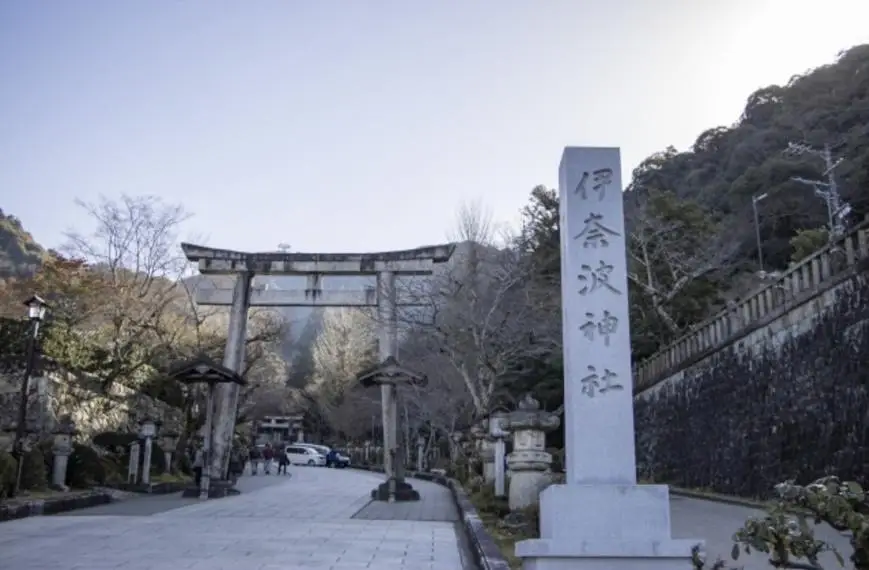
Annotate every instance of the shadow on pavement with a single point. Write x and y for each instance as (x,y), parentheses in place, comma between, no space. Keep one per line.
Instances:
(147,505)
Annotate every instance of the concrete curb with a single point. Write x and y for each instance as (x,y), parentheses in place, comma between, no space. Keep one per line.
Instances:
(165,488)
(718,498)
(487,555)
(39,507)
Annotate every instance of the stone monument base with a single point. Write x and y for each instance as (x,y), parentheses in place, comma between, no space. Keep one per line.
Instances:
(217,489)
(606,527)
(403,491)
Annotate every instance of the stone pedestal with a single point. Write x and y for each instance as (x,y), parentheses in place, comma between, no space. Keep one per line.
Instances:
(62,449)
(146,461)
(59,467)
(529,462)
(600,519)
(603,527)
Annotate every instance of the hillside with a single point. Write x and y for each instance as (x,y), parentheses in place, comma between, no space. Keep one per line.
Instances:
(727,165)
(19,253)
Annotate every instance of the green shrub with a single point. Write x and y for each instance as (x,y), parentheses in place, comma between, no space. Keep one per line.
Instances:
(8,472)
(34,475)
(85,468)
(487,503)
(784,533)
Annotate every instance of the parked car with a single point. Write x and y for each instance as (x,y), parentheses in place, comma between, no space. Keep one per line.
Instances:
(300,455)
(334,458)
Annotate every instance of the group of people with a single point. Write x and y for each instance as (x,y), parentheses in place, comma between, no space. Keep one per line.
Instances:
(239,458)
(267,457)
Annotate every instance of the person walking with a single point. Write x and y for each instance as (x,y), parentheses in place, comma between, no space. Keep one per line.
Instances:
(255,458)
(283,461)
(268,457)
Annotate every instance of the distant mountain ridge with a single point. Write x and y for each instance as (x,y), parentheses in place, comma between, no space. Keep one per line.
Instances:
(19,253)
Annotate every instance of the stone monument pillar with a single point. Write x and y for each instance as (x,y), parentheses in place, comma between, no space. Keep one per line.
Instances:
(62,449)
(529,461)
(600,518)
(133,468)
(497,425)
(147,431)
(420,458)
(169,443)
(475,457)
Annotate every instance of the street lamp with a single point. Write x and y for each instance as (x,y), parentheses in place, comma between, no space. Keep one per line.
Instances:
(36,308)
(754,201)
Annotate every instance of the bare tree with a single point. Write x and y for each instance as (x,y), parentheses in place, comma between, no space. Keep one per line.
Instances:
(345,345)
(673,243)
(444,403)
(133,247)
(486,316)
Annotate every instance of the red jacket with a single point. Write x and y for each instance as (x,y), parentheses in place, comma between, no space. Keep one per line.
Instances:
(268,453)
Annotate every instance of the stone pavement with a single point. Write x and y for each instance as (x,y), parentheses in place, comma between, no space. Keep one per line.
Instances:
(296,523)
(436,504)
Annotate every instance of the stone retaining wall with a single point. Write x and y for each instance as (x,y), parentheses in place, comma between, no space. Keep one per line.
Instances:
(94,410)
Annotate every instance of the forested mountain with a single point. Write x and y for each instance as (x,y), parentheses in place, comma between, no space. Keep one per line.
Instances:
(19,253)
(692,244)
(727,165)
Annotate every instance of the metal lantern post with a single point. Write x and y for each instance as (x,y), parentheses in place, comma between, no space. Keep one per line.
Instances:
(36,308)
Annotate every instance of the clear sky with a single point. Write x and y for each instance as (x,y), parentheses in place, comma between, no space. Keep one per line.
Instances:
(362,124)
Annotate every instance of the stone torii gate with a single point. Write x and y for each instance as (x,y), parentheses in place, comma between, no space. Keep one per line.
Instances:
(386,266)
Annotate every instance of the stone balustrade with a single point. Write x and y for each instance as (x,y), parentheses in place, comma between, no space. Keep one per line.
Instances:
(801,283)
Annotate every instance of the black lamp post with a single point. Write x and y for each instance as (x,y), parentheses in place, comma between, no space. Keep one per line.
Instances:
(36,308)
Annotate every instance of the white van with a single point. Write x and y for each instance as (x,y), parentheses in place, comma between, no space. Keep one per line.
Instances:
(299,455)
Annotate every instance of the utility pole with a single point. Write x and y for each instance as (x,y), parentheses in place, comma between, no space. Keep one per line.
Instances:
(827,190)
(754,201)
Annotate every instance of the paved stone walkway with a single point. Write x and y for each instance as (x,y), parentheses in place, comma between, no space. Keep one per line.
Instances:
(436,504)
(298,523)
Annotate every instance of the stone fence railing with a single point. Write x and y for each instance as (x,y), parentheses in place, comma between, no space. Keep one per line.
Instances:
(801,282)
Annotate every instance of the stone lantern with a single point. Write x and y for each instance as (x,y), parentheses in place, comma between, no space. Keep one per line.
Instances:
(529,461)
(169,442)
(391,374)
(147,432)
(420,459)
(62,449)
(202,370)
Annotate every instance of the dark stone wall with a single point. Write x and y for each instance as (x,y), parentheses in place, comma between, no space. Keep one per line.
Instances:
(740,423)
